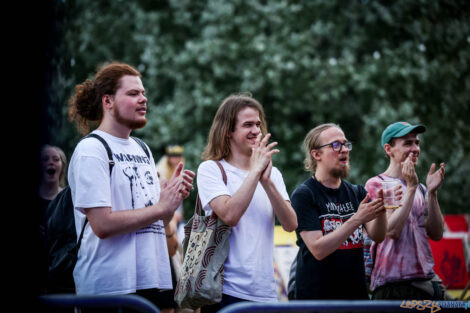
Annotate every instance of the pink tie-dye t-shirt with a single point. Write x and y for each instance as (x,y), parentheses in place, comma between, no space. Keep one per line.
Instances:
(409,257)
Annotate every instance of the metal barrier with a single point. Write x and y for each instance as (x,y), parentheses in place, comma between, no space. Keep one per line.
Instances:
(310,306)
(99,301)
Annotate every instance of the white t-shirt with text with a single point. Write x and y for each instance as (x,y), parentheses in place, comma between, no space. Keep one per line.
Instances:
(124,263)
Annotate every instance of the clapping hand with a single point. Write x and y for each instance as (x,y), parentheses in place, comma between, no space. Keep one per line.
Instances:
(262,153)
(435,177)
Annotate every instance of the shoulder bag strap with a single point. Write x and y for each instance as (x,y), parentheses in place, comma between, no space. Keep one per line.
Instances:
(198,207)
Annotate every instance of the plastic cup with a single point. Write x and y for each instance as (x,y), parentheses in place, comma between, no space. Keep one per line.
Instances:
(390,201)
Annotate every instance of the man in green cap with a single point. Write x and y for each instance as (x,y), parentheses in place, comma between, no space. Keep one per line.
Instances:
(403,267)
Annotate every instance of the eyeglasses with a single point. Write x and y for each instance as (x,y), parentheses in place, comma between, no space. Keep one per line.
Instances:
(338,146)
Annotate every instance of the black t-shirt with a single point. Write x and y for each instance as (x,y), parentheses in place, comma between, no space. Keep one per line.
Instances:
(340,275)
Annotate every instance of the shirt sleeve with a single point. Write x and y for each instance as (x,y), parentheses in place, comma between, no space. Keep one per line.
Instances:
(373,185)
(306,210)
(210,184)
(91,176)
(276,176)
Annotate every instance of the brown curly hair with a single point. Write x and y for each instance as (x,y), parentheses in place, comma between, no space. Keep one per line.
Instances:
(85,106)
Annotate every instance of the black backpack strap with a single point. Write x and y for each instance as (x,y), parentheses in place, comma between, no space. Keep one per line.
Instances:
(108,149)
(81,234)
(143,145)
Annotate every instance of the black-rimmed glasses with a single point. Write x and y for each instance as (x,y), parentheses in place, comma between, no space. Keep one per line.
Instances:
(338,146)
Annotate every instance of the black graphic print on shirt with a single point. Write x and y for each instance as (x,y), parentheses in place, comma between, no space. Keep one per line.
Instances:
(141,181)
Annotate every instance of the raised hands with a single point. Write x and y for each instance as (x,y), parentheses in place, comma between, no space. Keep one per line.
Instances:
(262,152)
(175,190)
(368,211)
(408,171)
(435,178)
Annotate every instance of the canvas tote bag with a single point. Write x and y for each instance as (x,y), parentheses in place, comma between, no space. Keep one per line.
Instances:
(205,249)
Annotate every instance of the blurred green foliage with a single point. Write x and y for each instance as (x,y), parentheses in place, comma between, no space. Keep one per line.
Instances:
(361,64)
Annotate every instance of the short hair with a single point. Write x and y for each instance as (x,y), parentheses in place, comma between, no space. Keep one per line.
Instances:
(225,120)
(311,142)
(85,105)
(63,159)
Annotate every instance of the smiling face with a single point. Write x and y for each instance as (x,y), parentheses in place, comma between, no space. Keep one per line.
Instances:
(247,128)
(129,104)
(51,165)
(399,148)
(336,163)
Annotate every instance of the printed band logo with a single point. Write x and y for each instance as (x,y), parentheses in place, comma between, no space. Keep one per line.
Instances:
(330,224)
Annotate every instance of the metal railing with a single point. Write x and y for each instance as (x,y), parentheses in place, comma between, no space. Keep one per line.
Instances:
(98,301)
(320,306)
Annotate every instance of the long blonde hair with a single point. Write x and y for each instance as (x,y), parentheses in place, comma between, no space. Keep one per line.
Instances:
(218,143)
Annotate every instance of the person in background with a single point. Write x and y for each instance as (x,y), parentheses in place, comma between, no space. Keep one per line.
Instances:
(53,165)
(403,262)
(165,169)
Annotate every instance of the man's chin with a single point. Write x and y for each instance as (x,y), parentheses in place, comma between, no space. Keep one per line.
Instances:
(137,124)
(341,173)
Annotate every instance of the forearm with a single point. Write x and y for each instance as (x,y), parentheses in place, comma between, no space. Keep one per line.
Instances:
(435,220)
(327,244)
(377,228)
(282,208)
(398,218)
(231,209)
(171,238)
(106,223)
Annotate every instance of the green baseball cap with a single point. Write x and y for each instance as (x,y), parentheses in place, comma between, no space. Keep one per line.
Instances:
(400,129)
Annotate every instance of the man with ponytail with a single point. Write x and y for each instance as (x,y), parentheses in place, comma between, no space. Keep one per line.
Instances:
(123,250)
(254,195)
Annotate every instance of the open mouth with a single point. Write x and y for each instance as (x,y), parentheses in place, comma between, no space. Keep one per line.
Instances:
(51,171)
(344,160)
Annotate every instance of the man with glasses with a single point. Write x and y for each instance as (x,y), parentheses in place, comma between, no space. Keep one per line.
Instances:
(331,214)
(404,263)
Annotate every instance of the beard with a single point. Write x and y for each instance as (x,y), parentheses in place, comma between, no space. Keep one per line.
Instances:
(340,173)
(131,124)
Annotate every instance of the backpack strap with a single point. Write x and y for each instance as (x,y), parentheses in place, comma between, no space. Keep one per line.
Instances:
(106,146)
(143,145)
(111,165)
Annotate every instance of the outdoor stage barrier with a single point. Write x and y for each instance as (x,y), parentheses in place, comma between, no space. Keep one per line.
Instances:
(324,306)
(97,301)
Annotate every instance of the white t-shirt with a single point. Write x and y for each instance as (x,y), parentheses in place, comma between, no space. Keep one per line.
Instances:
(125,263)
(249,269)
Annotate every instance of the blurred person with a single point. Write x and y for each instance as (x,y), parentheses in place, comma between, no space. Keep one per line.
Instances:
(254,195)
(331,215)
(403,266)
(124,248)
(53,178)
(53,165)
(166,167)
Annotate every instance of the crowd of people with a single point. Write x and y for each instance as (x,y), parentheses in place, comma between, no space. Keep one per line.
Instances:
(131,246)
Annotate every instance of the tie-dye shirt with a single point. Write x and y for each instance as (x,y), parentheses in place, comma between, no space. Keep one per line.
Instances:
(409,257)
